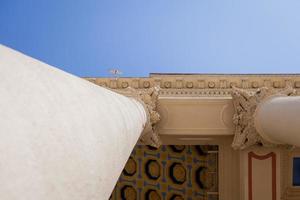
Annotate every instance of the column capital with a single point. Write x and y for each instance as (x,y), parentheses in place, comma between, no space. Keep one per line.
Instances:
(245,104)
(148,98)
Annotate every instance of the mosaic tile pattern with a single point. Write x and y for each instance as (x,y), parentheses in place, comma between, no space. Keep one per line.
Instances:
(174,172)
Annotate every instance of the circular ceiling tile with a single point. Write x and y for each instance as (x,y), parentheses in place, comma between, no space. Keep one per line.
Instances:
(153,169)
(178,173)
(130,167)
(152,195)
(128,193)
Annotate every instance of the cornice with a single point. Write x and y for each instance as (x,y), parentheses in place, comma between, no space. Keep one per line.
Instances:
(207,85)
(188,88)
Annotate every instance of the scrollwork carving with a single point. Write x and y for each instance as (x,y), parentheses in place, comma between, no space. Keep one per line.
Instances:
(245,103)
(149,98)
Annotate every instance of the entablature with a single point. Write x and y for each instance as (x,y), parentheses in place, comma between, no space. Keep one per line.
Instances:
(198,107)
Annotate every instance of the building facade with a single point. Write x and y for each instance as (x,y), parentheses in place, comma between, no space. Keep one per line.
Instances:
(203,109)
(166,136)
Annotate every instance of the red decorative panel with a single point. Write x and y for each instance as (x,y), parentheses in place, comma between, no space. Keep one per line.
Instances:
(252,155)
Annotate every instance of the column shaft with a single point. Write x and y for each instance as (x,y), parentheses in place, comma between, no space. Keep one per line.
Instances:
(61,137)
(278,120)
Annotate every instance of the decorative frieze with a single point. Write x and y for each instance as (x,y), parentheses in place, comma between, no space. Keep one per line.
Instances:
(201,81)
(297,84)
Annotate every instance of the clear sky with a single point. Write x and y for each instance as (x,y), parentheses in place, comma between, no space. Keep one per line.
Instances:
(89,37)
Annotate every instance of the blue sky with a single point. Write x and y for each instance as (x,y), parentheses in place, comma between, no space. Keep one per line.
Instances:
(89,37)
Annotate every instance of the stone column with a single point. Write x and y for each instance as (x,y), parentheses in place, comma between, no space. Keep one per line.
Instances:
(62,137)
(277,120)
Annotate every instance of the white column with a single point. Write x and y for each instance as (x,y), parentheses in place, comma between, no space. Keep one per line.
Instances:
(61,137)
(277,120)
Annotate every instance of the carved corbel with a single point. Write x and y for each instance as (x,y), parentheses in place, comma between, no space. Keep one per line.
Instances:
(148,98)
(245,103)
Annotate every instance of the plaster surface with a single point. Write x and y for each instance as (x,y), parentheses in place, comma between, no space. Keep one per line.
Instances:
(61,137)
(277,119)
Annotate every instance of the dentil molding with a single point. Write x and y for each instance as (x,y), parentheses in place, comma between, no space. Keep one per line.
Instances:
(201,81)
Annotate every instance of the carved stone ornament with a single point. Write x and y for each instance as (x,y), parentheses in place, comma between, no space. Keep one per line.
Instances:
(245,103)
(148,98)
